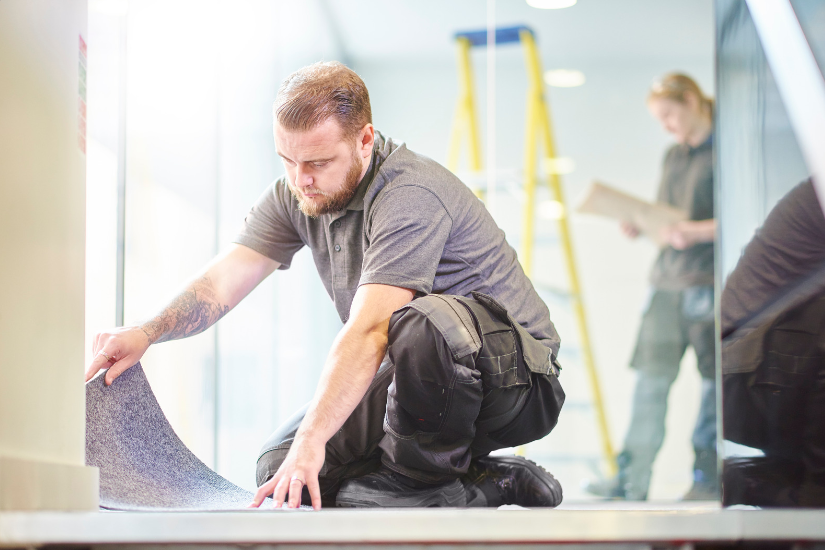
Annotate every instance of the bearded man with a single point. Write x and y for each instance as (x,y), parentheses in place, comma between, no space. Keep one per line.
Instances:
(446,354)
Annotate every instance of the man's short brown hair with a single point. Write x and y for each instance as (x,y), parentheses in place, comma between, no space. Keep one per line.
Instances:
(310,96)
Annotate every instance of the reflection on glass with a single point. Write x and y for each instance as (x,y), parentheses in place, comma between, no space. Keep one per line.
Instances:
(811,16)
(772,249)
(773,321)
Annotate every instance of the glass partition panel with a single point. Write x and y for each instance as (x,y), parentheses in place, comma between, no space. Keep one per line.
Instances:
(772,243)
(758,156)
(811,16)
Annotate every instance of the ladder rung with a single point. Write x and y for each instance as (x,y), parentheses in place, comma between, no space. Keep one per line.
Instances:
(504,35)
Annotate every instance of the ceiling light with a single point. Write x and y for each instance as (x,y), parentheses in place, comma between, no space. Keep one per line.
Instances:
(564,78)
(559,165)
(109,7)
(551,210)
(550,4)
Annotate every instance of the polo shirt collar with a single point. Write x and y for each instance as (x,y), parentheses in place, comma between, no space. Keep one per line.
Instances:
(705,144)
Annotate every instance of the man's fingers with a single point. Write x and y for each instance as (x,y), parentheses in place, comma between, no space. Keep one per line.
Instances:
(117,369)
(98,362)
(279,494)
(296,487)
(263,491)
(314,491)
(279,488)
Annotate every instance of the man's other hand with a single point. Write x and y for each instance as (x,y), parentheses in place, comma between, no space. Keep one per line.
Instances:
(353,361)
(117,350)
(301,467)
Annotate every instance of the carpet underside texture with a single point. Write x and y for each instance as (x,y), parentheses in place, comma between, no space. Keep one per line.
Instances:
(143,464)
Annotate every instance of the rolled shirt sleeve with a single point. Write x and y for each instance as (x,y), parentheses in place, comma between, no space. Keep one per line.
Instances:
(407,232)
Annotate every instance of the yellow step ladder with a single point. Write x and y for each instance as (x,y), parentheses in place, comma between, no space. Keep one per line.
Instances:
(538,133)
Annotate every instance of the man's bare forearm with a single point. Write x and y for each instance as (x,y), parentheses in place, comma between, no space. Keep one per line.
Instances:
(353,361)
(196,309)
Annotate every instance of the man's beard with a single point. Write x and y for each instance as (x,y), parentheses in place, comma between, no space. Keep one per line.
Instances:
(332,201)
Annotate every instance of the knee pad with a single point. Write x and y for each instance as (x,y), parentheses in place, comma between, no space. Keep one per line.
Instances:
(451,321)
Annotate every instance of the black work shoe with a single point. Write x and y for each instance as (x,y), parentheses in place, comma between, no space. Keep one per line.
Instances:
(387,489)
(511,480)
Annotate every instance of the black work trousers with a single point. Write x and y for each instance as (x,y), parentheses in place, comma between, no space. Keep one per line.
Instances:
(785,418)
(779,408)
(456,384)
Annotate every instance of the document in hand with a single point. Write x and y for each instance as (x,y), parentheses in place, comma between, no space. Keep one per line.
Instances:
(649,217)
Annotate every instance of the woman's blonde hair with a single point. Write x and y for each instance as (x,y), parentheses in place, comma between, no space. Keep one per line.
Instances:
(674,86)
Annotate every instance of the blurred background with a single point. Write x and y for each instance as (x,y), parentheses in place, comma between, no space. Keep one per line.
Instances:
(180,146)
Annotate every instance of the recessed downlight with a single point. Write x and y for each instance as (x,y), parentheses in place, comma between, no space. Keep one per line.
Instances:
(559,165)
(550,4)
(551,210)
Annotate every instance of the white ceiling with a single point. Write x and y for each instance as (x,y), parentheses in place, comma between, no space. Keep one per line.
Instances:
(373,30)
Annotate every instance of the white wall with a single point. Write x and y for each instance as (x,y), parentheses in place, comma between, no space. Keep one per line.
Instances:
(42,170)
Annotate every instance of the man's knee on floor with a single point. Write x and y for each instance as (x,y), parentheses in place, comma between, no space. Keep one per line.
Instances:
(273,452)
(268,464)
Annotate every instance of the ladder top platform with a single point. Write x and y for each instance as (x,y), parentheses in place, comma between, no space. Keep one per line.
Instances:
(504,35)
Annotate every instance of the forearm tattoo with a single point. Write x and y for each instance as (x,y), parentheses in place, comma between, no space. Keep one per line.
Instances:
(194,311)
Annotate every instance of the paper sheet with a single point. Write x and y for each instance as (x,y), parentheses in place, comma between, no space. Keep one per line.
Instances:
(650,218)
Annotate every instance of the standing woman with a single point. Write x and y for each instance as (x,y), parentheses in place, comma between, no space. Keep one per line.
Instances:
(680,310)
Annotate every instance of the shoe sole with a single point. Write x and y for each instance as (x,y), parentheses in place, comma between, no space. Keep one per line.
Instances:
(451,495)
(539,472)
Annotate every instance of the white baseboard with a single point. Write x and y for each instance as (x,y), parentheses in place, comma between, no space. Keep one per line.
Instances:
(28,485)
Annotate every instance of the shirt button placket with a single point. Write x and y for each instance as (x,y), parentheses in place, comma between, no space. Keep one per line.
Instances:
(337,225)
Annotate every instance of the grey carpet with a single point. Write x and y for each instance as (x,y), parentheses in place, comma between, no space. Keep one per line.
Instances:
(143,464)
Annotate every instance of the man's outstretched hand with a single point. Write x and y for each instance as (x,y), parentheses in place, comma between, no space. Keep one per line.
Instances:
(301,467)
(117,350)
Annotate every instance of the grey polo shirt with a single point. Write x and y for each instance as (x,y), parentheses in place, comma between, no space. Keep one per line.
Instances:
(411,224)
(687,184)
(787,248)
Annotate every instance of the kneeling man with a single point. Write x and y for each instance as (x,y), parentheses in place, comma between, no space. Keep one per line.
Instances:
(447,353)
